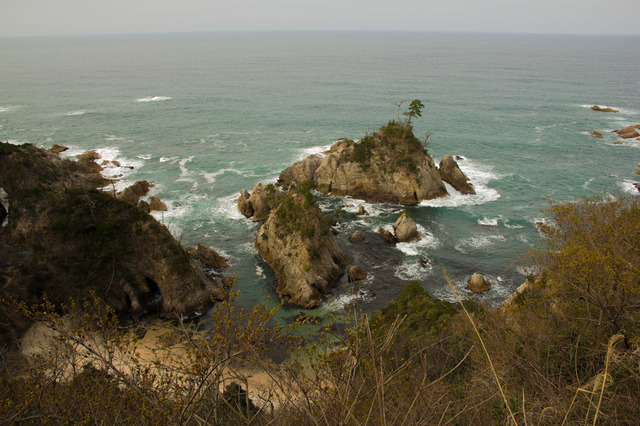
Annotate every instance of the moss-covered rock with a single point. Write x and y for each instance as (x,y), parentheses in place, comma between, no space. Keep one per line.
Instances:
(296,241)
(80,239)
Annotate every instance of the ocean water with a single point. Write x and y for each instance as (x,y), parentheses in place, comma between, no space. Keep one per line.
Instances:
(204,115)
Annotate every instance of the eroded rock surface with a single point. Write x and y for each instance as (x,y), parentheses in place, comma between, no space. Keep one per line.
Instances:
(296,241)
(388,166)
(451,173)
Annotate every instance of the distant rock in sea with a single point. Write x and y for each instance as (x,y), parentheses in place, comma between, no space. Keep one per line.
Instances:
(597,108)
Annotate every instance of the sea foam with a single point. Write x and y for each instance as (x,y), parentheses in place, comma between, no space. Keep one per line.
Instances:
(154,99)
(480,176)
(75,113)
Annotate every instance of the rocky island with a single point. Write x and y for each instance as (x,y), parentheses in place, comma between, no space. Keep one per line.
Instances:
(392,165)
(296,241)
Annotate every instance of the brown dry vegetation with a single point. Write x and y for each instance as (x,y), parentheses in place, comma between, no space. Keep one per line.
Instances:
(564,351)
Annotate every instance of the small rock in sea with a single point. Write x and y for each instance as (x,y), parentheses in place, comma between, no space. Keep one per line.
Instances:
(362,211)
(356,237)
(387,235)
(597,108)
(596,134)
(477,283)
(356,273)
(628,132)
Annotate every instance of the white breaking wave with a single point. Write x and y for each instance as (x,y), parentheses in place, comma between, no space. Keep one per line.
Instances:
(154,99)
(74,113)
(228,207)
(419,270)
(488,221)
(340,302)
(4,109)
(352,205)
(211,177)
(629,186)
(168,159)
(479,176)
(415,248)
(314,150)
(479,241)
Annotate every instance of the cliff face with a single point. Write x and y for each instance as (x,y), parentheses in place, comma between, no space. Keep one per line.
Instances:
(388,166)
(296,241)
(73,238)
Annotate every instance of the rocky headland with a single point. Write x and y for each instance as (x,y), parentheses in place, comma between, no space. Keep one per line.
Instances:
(64,237)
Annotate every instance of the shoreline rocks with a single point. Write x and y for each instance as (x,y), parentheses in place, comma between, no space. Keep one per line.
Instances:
(405,229)
(628,132)
(451,173)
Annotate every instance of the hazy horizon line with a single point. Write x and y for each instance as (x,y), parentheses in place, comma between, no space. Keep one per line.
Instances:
(336,31)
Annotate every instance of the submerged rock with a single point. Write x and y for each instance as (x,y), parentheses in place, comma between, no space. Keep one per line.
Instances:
(596,134)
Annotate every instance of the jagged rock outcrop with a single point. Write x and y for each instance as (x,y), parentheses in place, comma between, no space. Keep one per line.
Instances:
(208,256)
(451,173)
(387,235)
(598,108)
(477,283)
(405,229)
(628,132)
(356,273)
(388,166)
(296,241)
(79,239)
(259,202)
(57,149)
(157,205)
(134,192)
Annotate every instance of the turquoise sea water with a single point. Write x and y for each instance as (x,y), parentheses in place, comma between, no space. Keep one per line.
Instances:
(204,115)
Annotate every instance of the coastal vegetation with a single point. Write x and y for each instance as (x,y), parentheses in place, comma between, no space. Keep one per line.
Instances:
(389,165)
(565,350)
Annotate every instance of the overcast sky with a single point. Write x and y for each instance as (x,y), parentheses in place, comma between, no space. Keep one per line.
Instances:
(61,17)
